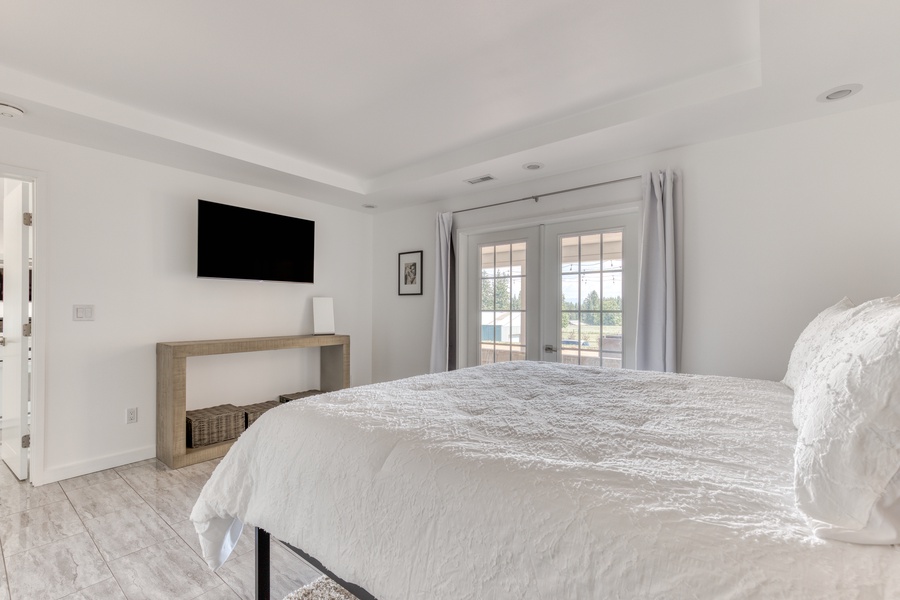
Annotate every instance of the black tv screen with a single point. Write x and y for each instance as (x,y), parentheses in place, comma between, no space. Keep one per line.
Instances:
(240,243)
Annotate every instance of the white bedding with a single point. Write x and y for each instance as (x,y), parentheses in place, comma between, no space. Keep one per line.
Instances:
(540,480)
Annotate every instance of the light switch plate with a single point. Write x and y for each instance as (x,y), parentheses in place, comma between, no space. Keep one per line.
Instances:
(83,312)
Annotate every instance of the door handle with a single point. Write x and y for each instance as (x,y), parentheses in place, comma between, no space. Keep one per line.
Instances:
(549,348)
(2,340)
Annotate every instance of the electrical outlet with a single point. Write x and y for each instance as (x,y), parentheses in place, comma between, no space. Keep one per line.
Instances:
(131,416)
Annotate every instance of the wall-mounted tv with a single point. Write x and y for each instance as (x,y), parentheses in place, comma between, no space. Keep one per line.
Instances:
(241,243)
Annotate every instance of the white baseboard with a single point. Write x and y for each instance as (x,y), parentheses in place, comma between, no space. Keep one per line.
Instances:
(54,474)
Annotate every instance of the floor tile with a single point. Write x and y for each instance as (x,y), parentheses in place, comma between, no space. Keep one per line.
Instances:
(106,536)
(38,526)
(4,585)
(105,590)
(104,498)
(287,573)
(24,496)
(147,461)
(174,503)
(152,477)
(168,570)
(198,474)
(223,592)
(126,531)
(7,477)
(56,570)
(76,483)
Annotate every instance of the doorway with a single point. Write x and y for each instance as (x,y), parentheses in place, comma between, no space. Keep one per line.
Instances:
(16,262)
(563,291)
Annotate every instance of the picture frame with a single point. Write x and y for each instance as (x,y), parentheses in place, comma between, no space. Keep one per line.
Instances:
(409,275)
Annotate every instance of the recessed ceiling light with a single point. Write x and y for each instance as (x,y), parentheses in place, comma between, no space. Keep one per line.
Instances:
(839,93)
(481,179)
(10,112)
(533,166)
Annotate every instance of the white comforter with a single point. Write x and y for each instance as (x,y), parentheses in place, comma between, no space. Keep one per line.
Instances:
(539,480)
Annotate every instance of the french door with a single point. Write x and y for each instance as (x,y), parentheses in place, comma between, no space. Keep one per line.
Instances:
(562,292)
(503,319)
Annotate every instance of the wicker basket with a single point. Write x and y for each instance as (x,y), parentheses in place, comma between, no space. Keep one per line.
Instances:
(254,411)
(215,424)
(298,395)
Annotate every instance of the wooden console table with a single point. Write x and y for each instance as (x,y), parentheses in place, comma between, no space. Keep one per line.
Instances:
(171,385)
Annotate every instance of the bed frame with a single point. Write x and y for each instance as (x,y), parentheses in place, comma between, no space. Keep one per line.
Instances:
(263,569)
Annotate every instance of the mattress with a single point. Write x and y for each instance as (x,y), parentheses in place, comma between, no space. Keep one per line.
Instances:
(540,480)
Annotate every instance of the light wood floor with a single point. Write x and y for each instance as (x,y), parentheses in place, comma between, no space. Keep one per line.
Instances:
(123,534)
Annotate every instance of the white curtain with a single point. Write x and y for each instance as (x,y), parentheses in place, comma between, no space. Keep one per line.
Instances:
(440,331)
(656,331)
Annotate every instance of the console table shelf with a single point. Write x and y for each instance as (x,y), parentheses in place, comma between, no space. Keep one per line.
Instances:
(171,385)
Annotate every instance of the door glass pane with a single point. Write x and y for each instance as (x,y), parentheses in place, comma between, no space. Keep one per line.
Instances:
(570,292)
(517,293)
(612,332)
(516,327)
(612,359)
(518,258)
(487,294)
(591,299)
(612,250)
(568,253)
(503,282)
(591,291)
(501,293)
(590,252)
(570,331)
(487,260)
(503,258)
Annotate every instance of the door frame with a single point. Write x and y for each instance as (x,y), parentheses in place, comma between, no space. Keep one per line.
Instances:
(462,257)
(40,211)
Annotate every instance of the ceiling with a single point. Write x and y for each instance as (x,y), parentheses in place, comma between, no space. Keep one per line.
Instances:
(398,102)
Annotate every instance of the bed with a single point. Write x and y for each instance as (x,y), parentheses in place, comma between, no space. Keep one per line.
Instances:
(548,481)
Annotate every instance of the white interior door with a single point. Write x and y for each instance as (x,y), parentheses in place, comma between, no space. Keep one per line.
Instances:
(16,348)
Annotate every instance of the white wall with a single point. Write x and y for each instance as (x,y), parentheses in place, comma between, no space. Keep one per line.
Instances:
(120,234)
(777,224)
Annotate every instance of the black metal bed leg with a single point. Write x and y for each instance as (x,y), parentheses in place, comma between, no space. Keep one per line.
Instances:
(262,564)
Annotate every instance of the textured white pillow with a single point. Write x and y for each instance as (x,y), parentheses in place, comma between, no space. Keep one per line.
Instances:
(848,447)
(809,345)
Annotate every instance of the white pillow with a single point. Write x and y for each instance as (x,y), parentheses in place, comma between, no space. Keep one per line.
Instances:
(809,345)
(848,447)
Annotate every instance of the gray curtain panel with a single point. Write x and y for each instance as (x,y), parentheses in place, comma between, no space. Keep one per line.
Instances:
(440,331)
(656,331)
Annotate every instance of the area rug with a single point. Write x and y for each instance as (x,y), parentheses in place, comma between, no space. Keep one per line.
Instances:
(321,589)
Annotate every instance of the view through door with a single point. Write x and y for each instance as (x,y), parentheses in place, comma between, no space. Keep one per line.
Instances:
(15,302)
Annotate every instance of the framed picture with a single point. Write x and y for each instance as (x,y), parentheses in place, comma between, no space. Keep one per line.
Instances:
(410,274)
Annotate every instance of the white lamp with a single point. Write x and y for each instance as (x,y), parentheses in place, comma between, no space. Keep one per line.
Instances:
(323,316)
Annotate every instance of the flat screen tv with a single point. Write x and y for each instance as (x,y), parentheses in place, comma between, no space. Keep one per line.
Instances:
(240,243)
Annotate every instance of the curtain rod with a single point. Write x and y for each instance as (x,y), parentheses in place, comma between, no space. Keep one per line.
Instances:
(537,197)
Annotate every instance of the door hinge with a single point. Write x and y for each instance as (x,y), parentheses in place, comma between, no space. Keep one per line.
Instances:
(26,329)
(26,440)
(27,218)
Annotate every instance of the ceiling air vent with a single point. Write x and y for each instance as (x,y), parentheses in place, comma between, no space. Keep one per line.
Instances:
(481,179)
